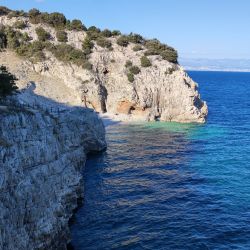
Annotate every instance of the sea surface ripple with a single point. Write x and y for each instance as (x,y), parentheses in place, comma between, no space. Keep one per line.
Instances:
(174,186)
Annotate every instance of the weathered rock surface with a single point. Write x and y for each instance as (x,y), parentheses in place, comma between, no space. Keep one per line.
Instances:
(161,92)
(43,148)
(42,153)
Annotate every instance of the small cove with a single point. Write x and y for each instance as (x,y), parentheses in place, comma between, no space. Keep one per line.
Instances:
(170,185)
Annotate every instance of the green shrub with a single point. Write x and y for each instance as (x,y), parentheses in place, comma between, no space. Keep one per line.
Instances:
(17,13)
(130,77)
(170,55)
(104,43)
(32,51)
(94,29)
(123,41)
(112,60)
(42,34)
(106,33)
(169,71)
(55,19)
(128,64)
(3,39)
(4,11)
(13,37)
(145,62)
(134,70)
(7,82)
(116,33)
(25,38)
(67,53)
(34,16)
(135,38)
(154,47)
(62,36)
(93,33)
(76,25)
(19,25)
(87,45)
(137,48)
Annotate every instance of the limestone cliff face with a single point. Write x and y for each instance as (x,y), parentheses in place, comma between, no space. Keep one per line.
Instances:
(163,91)
(42,153)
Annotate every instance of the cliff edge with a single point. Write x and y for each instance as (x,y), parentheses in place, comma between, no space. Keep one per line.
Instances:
(42,153)
(124,75)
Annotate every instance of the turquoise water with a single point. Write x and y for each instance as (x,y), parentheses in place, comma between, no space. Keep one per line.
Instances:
(170,185)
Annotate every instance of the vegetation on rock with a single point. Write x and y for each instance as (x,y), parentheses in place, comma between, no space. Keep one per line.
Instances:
(76,25)
(128,64)
(87,45)
(3,39)
(155,47)
(4,11)
(19,25)
(123,41)
(145,62)
(130,77)
(42,34)
(134,70)
(62,36)
(116,33)
(104,43)
(137,47)
(7,82)
(106,33)
(20,42)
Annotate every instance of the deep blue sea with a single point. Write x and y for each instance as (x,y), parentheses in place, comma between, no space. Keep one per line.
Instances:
(174,186)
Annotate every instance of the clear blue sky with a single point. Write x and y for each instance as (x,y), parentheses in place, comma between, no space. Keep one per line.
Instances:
(196,28)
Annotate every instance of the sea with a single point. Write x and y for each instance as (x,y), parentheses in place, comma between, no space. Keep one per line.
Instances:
(173,186)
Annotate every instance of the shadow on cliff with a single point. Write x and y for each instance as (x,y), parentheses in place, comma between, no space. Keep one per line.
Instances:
(27,98)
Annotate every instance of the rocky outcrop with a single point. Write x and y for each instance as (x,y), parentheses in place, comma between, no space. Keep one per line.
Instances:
(162,91)
(42,152)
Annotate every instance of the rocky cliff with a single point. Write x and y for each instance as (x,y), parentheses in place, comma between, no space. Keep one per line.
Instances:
(42,152)
(161,91)
(44,136)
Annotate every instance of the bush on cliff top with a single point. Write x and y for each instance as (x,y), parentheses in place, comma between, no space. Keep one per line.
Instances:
(123,41)
(7,82)
(106,33)
(155,47)
(104,43)
(4,11)
(76,25)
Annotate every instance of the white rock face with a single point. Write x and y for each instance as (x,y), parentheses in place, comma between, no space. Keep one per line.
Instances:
(161,92)
(43,149)
(42,154)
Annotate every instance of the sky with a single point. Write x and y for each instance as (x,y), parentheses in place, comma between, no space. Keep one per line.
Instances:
(196,28)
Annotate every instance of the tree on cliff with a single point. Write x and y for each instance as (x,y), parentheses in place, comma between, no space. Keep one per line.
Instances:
(7,82)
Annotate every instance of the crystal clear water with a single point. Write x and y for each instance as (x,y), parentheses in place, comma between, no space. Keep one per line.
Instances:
(174,186)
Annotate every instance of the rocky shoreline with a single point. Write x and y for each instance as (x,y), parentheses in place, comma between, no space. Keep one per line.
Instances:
(43,155)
